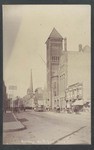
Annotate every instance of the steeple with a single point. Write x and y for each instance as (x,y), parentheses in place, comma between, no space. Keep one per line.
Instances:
(31,82)
(30,89)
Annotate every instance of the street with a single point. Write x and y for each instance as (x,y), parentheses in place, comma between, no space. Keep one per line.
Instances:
(51,128)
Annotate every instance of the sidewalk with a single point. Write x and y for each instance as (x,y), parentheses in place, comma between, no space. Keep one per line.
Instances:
(10,123)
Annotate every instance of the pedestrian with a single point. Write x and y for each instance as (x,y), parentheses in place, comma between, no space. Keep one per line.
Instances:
(58,108)
(68,107)
(76,109)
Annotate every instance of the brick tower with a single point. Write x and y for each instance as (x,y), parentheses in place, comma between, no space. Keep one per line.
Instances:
(54,47)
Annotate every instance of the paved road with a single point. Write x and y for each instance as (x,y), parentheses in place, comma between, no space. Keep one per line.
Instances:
(51,128)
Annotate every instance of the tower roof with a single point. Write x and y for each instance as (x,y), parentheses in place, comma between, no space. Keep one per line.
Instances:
(55,34)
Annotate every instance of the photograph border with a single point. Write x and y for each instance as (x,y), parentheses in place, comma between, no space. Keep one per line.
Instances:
(46,2)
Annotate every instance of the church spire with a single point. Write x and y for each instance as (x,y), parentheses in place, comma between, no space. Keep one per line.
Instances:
(30,89)
(31,82)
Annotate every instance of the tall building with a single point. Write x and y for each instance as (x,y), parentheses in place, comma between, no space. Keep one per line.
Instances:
(68,72)
(75,75)
(54,46)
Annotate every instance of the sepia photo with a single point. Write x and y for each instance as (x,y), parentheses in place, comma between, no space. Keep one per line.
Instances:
(46,74)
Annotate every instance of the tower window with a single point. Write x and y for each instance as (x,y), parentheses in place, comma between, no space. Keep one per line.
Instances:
(55,58)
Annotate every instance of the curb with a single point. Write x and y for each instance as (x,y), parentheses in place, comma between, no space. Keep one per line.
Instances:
(13,130)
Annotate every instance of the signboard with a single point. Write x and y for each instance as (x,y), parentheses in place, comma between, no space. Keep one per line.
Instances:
(10,95)
(12,87)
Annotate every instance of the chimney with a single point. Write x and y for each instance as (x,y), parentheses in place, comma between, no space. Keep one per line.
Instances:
(65,44)
(80,47)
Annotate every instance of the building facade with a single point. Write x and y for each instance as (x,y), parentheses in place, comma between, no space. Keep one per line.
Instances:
(54,46)
(39,99)
(68,72)
(5,101)
(75,76)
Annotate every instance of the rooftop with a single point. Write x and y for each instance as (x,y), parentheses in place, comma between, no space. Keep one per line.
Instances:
(55,34)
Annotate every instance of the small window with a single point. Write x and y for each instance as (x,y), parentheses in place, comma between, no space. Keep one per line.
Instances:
(54,102)
(54,93)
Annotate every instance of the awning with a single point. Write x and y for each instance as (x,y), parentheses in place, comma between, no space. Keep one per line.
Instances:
(78,102)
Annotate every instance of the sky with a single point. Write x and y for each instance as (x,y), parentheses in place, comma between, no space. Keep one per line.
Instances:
(25,31)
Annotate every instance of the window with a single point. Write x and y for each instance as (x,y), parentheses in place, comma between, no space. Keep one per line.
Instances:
(54,93)
(54,102)
(54,85)
(58,102)
(62,82)
(55,58)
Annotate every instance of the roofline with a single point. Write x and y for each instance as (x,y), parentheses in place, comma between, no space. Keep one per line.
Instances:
(53,38)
